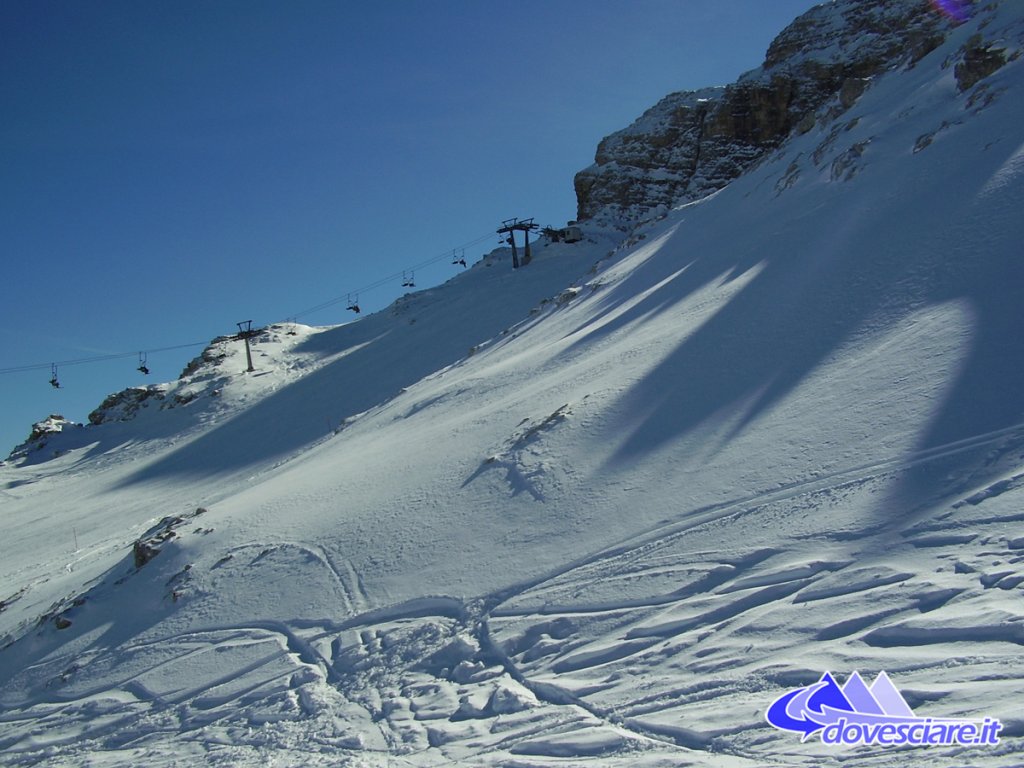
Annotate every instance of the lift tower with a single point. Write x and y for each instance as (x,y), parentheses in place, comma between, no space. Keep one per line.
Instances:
(510,227)
(244,334)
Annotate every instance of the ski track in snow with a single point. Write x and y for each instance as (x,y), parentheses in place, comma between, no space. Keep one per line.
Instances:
(566,654)
(818,490)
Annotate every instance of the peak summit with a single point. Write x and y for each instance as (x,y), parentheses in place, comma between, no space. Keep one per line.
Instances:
(693,143)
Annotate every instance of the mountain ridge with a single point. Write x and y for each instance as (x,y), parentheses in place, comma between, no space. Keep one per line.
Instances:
(694,142)
(647,484)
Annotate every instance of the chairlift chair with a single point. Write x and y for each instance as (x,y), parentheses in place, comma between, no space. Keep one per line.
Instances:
(143,368)
(54,381)
(408,282)
(353,306)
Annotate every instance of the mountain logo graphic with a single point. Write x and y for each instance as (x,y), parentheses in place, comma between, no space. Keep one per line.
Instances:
(857,713)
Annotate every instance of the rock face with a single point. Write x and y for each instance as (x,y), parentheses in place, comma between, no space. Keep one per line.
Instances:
(978,61)
(694,142)
(152,541)
(122,406)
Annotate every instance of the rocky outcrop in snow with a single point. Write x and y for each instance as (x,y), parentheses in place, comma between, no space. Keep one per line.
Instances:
(978,60)
(123,405)
(201,376)
(41,433)
(694,142)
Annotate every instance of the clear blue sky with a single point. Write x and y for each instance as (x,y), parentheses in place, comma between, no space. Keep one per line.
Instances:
(169,168)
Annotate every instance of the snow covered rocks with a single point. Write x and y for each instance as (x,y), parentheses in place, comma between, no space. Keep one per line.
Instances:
(41,433)
(150,543)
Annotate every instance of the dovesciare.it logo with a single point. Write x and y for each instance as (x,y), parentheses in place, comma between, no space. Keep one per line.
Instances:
(877,714)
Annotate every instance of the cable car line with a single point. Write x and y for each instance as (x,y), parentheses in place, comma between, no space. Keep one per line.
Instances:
(97,358)
(351,299)
(390,279)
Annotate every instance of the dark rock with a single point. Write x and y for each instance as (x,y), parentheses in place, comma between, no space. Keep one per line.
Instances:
(979,60)
(845,166)
(210,356)
(149,544)
(123,406)
(52,425)
(851,90)
(989,580)
(693,143)
(144,551)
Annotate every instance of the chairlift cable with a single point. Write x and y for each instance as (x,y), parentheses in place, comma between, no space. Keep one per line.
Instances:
(97,358)
(390,279)
(141,355)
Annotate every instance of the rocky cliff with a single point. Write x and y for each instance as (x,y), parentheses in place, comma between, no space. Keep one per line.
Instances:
(694,142)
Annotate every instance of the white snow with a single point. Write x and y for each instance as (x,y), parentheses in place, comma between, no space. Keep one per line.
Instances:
(600,510)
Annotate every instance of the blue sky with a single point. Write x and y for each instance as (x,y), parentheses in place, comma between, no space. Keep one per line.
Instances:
(170,168)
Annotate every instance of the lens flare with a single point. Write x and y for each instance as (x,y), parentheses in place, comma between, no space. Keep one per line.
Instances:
(958,10)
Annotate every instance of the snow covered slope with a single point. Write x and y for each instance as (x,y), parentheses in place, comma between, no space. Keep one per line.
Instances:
(600,510)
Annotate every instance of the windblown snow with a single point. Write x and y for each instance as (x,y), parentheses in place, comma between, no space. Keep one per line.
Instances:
(600,510)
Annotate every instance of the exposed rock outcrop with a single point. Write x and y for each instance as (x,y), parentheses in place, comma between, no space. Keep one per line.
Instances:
(150,544)
(979,60)
(122,406)
(51,425)
(199,386)
(202,376)
(694,142)
(41,433)
(210,357)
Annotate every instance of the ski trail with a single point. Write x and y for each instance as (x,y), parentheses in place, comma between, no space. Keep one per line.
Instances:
(662,535)
(348,579)
(357,590)
(559,696)
(625,642)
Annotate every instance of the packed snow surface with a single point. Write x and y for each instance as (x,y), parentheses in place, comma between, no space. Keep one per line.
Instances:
(600,510)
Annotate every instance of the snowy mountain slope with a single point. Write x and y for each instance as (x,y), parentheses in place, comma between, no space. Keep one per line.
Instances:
(217,427)
(778,432)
